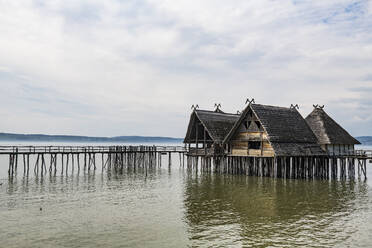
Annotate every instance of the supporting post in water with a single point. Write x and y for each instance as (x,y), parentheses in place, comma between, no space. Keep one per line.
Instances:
(10,164)
(67,163)
(78,161)
(51,163)
(16,160)
(169,159)
(72,160)
(42,164)
(28,163)
(85,160)
(94,161)
(24,163)
(62,164)
(36,167)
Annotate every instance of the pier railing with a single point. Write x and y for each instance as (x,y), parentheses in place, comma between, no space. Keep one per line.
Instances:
(87,149)
(367,153)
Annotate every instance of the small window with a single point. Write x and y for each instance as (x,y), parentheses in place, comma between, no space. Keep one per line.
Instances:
(258,124)
(247,124)
(254,145)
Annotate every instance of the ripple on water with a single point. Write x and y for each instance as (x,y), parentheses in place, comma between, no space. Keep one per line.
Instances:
(178,209)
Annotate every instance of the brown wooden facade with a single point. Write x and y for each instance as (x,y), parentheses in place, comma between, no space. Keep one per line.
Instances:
(250,139)
(269,131)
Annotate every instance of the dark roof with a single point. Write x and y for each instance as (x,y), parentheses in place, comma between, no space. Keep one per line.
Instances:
(287,130)
(284,125)
(218,124)
(327,130)
(297,149)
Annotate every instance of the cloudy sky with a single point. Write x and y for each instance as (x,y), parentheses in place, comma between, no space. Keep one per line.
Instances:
(135,67)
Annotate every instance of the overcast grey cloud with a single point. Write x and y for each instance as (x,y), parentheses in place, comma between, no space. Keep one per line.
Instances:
(135,67)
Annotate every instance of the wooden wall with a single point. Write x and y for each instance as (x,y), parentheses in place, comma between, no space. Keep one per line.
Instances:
(335,149)
(250,131)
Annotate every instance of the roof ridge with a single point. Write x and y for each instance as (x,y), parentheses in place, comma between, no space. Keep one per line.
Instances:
(327,130)
(279,107)
(281,124)
(214,112)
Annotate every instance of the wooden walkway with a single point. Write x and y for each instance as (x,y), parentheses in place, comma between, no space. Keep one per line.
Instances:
(45,158)
(66,159)
(363,154)
(7,150)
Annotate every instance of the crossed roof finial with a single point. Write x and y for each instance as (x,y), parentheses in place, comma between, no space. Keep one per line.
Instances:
(217,106)
(194,107)
(294,106)
(249,101)
(318,106)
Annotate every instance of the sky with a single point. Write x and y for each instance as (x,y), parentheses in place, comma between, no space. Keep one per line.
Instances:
(135,67)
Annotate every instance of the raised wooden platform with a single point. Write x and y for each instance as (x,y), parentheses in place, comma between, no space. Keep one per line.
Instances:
(326,166)
(44,159)
(112,157)
(7,150)
(362,154)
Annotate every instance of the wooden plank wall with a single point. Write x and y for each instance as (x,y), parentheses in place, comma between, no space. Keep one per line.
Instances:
(240,144)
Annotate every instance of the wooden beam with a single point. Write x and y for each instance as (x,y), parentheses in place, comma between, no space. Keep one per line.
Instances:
(261,144)
(197,132)
(205,148)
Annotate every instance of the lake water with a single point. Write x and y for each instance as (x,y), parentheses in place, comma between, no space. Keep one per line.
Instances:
(176,208)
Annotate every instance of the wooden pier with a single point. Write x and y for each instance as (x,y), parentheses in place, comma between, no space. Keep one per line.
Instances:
(291,167)
(66,159)
(69,158)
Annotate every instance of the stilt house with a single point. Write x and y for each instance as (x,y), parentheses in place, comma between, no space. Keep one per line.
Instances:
(271,141)
(269,131)
(331,136)
(207,130)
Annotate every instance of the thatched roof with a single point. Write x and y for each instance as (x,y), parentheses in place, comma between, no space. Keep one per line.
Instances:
(287,130)
(296,149)
(327,130)
(217,124)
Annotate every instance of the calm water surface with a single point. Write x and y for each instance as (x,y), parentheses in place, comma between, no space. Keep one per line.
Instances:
(176,208)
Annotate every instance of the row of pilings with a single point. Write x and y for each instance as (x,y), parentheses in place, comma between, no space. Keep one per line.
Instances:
(144,158)
(323,167)
(117,158)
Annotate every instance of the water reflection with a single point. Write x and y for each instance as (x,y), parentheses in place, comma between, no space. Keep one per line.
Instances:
(92,209)
(222,210)
(162,208)
(18,191)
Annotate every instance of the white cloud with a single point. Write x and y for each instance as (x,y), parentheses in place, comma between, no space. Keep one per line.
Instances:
(136,65)
(369,7)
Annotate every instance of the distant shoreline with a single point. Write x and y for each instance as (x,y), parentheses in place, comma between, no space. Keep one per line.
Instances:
(365,140)
(81,139)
